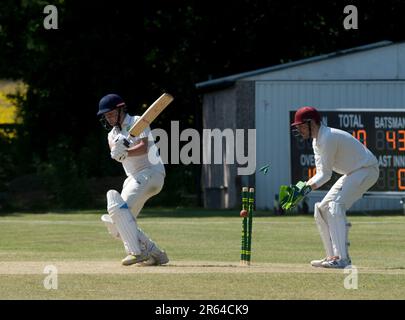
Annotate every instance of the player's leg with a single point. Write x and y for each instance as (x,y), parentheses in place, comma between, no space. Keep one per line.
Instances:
(155,255)
(352,188)
(112,230)
(139,188)
(356,184)
(136,192)
(338,226)
(147,246)
(335,217)
(320,215)
(126,226)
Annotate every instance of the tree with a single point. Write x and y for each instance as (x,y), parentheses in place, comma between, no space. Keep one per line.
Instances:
(139,49)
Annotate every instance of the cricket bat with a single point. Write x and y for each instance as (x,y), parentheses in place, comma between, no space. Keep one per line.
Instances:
(149,115)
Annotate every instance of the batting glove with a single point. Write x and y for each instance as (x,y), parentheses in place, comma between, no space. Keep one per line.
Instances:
(118,153)
(121,141)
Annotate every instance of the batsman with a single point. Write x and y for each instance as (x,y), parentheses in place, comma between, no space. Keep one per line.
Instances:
(145,178)
(338,151)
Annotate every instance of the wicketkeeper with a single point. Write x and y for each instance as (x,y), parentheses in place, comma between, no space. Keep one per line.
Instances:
(145,178)
(335,150)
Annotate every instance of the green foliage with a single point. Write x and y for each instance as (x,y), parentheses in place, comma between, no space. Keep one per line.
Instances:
(180,188)
(64,180)
(139,49)
(7,167)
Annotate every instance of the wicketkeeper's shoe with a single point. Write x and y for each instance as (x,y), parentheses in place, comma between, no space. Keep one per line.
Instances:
(132,259)
(318,263)
(336,263)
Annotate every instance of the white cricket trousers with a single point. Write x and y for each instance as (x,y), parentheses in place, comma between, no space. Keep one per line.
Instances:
(351,187)
(138,188)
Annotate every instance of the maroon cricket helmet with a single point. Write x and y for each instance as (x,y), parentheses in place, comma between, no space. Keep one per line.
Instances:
(305,114)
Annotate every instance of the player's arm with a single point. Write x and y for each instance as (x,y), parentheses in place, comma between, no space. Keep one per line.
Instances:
(324,163)
(110,142)
(118,150)
(323,171)
(123,147)
(139,149)
(312,185)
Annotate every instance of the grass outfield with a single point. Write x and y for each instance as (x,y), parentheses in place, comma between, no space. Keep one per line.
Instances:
(204,248)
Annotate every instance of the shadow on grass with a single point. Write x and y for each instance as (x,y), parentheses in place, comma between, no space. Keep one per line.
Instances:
(11,213)
(154,212)
(195,212)
(376,213)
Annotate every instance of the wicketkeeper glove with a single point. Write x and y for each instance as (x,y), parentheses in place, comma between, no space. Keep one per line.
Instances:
(291,195)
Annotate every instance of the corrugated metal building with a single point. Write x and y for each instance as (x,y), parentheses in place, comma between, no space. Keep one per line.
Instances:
(371,76)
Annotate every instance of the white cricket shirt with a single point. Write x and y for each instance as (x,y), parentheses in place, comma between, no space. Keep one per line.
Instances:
(337,150)
(135,164)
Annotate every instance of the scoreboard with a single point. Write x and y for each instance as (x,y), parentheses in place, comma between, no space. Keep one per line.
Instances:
(383,132)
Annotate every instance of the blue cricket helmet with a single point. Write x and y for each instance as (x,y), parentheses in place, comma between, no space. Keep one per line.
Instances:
(110,102)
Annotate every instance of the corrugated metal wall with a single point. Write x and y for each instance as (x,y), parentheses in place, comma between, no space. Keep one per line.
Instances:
(219,111)
(274,100)
(231,108)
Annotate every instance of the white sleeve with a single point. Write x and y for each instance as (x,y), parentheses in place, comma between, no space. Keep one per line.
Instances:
(110,137)
(143,134)
(324,158)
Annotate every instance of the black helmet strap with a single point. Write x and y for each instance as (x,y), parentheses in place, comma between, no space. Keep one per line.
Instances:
(105,123)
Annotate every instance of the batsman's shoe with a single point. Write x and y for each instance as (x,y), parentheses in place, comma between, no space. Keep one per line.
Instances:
(132,259)
(318,263)
(336,263)
(156,258)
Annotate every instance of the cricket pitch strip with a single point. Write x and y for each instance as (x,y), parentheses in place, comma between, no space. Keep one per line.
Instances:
(175,267)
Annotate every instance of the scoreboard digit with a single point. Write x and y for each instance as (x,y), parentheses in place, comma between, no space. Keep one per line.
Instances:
(383,132)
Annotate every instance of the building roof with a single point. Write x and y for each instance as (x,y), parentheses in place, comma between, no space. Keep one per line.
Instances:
(230,80)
